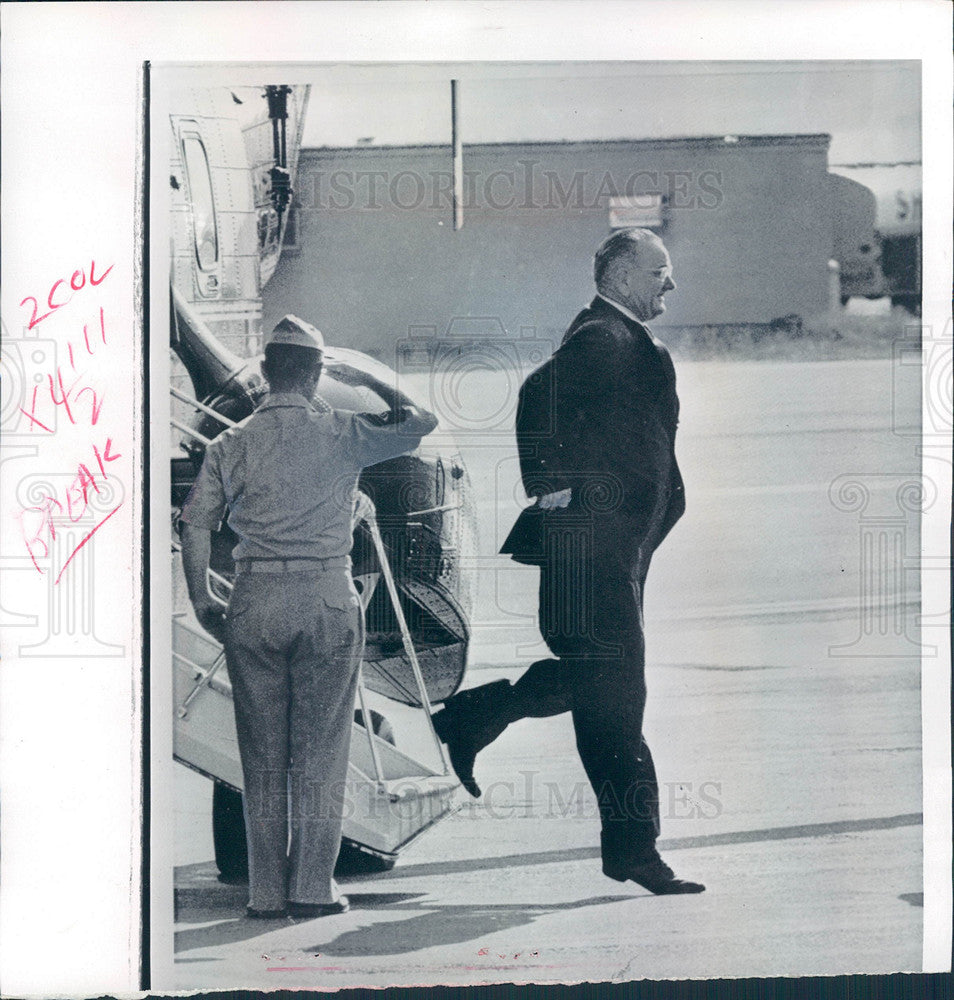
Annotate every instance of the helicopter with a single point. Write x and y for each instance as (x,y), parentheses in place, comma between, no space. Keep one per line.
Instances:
(232,169)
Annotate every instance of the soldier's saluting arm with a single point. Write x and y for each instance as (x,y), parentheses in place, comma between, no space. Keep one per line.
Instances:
(396,430)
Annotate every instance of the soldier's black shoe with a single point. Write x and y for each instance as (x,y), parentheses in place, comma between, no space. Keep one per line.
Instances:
(254,914)
(656,876)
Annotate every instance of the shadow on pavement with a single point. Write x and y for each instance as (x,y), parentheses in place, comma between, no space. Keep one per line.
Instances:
(438,925)
(237,927)
(670,844)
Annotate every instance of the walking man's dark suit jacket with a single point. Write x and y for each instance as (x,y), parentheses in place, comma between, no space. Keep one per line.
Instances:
(599,418)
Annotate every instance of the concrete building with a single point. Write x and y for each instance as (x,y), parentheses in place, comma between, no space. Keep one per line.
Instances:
(374,259)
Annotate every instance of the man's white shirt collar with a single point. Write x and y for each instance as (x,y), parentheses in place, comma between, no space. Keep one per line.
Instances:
(620,308)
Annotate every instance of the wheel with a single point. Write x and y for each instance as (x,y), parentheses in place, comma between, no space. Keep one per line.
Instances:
(353,861)
(379,725)
(228,826)
(228,834)
(912,303)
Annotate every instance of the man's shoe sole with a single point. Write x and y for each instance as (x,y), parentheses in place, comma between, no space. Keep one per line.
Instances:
(311,911)
(668,887)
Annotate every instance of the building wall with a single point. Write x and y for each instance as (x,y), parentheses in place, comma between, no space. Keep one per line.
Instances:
(747,222)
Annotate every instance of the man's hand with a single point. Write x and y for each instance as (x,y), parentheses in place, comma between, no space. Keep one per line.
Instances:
(212,618)
(347,374)
(196,549)
(341,371)
(553,500)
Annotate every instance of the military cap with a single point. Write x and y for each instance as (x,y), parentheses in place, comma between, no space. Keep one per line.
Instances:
(297,333)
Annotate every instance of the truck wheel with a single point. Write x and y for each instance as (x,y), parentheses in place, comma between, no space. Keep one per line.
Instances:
(912,303)
(228,835)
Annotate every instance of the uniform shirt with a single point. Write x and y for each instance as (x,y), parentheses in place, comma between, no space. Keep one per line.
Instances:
(288,475)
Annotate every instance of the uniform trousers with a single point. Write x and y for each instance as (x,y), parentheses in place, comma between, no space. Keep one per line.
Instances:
(293,646)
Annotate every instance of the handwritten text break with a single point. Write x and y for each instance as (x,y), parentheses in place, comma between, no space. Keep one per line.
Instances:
(74,393)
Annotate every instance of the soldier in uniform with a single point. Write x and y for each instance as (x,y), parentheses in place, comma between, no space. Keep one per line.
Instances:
(596,429)
(294,632)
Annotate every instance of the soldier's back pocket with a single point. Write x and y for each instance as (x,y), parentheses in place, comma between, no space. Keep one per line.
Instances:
(338,591)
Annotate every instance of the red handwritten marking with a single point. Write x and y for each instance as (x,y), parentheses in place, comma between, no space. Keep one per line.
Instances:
(97,402)
(106,457)
(92,278)
(61,395)
(80,486)
(530,965)
(53,306)
(49,298)
(72,362)
(46,523)
(64,398)
(35,319)
(102,329)
(519,954)
(77,503)
(31,416)
(85,539)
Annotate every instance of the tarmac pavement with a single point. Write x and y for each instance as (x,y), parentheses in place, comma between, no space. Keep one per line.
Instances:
(784,717)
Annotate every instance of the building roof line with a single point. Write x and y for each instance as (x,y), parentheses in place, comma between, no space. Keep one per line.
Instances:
(879,163)
(785,139)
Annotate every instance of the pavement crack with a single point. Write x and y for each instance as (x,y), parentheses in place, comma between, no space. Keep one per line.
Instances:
(624,972)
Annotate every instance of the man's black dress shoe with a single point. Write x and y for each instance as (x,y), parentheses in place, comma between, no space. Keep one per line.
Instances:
(471,720)
(461,750)
(656,876)
(308,911)
(462,757)
(254,914)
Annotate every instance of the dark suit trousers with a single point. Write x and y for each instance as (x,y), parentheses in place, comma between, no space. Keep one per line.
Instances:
(591,617)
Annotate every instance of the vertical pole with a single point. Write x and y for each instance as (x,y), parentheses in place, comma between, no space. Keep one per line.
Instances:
(365,512)
(369,730)
(458,157)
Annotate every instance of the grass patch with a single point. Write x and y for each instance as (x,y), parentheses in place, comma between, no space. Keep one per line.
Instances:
(831,336)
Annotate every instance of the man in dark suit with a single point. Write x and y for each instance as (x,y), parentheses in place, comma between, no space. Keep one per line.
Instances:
(596,428)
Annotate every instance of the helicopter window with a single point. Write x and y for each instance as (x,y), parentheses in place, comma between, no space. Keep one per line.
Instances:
(203,204)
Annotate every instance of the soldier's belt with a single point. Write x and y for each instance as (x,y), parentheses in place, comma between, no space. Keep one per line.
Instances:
(291,565)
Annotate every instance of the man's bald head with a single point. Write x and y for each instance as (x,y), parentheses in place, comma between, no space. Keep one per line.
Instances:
(632,268)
